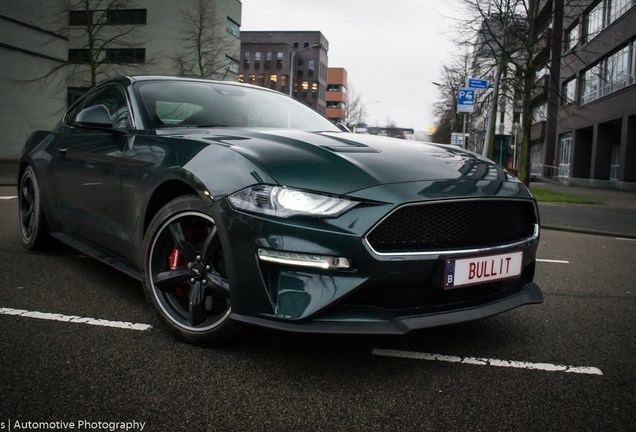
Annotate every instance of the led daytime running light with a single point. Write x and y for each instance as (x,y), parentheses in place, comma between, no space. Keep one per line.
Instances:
(307,260)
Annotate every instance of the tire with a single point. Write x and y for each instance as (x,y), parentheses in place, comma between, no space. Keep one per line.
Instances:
(184,275)
(34,230)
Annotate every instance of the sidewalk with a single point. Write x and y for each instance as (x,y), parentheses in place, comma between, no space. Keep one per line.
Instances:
(616,218)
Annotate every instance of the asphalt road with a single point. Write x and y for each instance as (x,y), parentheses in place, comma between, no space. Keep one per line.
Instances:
(273,381)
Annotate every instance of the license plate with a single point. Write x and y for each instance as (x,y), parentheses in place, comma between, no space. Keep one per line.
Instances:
(476,270)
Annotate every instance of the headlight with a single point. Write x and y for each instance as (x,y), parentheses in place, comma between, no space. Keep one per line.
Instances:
(283,202)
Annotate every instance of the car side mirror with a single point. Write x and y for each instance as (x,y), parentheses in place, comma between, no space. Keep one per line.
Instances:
(96,115)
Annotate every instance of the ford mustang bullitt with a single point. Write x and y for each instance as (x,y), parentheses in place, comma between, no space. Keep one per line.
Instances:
(235,205)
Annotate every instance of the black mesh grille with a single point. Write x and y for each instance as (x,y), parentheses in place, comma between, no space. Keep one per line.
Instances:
(431,299)
(454,225)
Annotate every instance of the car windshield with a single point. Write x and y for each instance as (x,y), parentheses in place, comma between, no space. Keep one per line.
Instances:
(166,104)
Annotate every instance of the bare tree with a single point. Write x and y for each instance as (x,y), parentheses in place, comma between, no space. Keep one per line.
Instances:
(453,77)
(508,32)
(205,43)
(103,40)
(355,109)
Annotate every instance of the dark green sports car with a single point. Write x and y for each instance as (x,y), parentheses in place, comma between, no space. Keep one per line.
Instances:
(237,205)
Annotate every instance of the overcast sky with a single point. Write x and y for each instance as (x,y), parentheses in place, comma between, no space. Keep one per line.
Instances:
(391,49)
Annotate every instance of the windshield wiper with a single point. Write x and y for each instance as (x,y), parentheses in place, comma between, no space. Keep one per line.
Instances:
(211,126)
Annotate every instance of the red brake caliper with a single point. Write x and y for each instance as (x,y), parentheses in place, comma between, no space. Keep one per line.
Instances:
(176,261)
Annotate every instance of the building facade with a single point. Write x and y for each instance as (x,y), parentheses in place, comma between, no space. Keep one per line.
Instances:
(39,38)
(596,127)
(292,62)
(336,96)
(585,133)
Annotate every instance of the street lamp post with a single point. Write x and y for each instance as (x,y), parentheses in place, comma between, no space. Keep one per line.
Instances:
(291,67)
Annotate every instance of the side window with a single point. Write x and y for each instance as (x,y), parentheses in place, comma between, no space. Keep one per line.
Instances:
(113,98)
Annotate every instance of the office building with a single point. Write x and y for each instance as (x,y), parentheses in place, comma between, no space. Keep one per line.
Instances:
(287,60)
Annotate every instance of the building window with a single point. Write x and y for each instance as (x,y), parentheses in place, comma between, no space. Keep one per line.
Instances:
(615,72)
(310,68)
(565,144)
(257,60)
(79,56)
(295,44)
(306,45)
(261,80)
(126,55)
(279,60)
(246,60)
(79,18)
(614,164)
(231,64)
(314,90)
(299,70)
(535,160)
(589,84)
(251,79)
(241,78)
(540,113)
(616,8)
(331,104)
(593,22)
(110,17)
(572,37)
(232,27)
(569,91)
(272,81)
(268,60)
(126,16)
(336,88)
(545,70)
(632,73)
(305,88)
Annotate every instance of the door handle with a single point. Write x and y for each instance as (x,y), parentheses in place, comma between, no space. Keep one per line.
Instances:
(61,151)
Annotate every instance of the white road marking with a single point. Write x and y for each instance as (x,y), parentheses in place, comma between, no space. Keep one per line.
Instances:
(8,197)
(625,239)
(488,362)
(74,319)
(553,261)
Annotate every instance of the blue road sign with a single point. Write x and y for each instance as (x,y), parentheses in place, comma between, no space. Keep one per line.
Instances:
(465,100)
(477,84)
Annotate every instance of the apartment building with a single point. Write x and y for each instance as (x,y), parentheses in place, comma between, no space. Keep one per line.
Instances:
(596,125)
(292,62)
(336,96)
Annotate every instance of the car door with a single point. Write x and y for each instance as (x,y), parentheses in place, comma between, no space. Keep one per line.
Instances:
(87,172)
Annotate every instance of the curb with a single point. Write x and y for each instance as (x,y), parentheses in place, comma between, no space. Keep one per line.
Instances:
(589,231)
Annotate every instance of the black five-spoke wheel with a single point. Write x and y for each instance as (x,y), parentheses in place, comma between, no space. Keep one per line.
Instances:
(185,276)
(33,228)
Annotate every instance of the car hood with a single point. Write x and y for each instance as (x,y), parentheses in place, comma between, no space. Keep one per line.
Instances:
(342,163)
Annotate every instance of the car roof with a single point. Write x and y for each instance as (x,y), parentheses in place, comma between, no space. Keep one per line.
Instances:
(130,79)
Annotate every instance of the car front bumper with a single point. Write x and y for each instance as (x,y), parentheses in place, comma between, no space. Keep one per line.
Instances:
(376,295)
